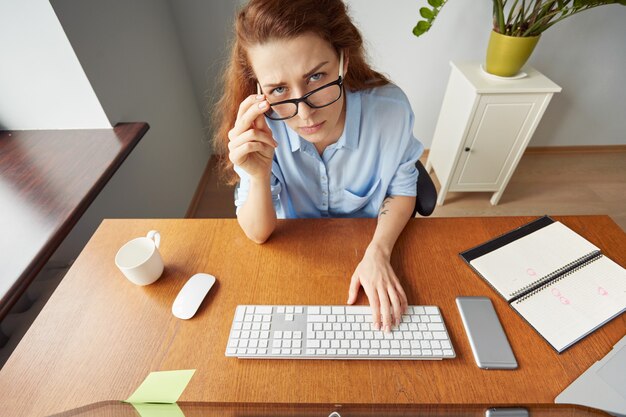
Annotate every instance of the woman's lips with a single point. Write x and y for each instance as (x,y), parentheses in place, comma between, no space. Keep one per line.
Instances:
(311,129)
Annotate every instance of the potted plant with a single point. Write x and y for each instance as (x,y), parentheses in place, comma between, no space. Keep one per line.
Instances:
(517,26)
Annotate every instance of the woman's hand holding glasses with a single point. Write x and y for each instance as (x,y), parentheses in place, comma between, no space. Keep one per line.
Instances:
(252,145)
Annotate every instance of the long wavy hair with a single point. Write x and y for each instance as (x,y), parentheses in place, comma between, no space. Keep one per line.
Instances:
(260,21)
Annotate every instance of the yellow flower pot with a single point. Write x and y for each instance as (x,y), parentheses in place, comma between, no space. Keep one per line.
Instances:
(506,55)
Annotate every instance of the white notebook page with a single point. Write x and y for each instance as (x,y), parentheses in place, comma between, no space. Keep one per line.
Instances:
(572,307)
(528,259)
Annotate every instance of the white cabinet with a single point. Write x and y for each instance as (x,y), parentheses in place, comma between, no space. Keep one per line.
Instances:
(484,127)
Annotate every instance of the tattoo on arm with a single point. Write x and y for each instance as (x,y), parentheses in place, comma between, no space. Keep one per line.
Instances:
(383,209)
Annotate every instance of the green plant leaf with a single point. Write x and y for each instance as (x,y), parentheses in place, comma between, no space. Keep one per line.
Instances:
(435,3)
(421,28)
(427,13)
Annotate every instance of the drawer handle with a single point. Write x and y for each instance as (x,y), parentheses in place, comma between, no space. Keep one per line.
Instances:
(467,149)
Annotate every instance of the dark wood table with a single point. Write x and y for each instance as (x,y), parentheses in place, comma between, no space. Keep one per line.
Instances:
(99,335)
(48,179)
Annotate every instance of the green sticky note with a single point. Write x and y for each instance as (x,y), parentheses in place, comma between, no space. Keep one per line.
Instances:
(163,387)
(158,410)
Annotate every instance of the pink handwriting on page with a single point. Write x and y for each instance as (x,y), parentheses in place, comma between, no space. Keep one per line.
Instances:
(555,292)
(531,272)
(602,292)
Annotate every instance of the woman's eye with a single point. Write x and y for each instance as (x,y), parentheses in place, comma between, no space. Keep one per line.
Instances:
(316,77)
(278,91)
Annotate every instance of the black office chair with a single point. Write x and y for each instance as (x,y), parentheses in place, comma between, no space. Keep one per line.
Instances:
(426,192)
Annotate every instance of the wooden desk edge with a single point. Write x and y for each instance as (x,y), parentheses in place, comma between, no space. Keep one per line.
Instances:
(28,275)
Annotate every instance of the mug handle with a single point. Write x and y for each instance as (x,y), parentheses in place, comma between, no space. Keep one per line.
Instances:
(155,236)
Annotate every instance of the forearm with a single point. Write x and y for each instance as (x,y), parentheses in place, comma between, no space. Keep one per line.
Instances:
(393,216)
(257,216)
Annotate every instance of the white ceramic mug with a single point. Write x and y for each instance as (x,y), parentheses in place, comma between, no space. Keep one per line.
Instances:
(140,260)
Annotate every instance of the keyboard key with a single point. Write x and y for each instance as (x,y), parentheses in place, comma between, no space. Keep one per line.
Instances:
(240,313)
(313,310)
(313,343)
(263,310)
(312,318)
(358,310)
(431,310)
(338,310)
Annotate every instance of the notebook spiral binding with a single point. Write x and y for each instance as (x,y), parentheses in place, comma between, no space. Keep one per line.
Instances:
(587,259)
(572,265)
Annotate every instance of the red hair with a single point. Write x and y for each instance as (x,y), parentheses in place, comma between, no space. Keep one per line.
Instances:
(261,21)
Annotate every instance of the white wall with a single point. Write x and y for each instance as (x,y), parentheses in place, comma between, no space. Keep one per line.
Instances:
(42,85)
(585,55)
(132,56)
(204,29)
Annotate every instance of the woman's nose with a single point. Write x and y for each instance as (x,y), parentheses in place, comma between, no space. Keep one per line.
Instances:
(304,111)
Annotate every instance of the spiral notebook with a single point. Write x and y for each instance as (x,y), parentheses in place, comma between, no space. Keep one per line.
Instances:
(558,281)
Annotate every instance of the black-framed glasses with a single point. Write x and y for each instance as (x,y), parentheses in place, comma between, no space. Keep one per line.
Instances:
(316,99)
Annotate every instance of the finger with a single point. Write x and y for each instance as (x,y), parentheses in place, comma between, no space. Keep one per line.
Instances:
(261,124)
(395,304)
(385,309)
(240,155)
(246,120)
(372,296)
(249,101)
(252,135)
(403,298)
(355,284)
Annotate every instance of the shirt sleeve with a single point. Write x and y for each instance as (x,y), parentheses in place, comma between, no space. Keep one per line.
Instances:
(404,181)
(243,189)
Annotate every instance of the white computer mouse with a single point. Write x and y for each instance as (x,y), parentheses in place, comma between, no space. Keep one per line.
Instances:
(191,295)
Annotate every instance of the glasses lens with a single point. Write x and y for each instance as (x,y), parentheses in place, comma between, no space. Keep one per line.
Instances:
(325,96)
(282,111)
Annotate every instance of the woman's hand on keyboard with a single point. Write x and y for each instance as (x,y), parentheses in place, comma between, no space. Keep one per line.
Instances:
(382,287)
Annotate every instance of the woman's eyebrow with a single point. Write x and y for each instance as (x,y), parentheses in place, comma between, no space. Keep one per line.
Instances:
(305,76)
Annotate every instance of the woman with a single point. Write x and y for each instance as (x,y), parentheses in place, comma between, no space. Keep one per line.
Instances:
(311,130)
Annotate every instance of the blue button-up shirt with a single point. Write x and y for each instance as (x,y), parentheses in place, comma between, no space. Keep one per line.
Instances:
(374,158)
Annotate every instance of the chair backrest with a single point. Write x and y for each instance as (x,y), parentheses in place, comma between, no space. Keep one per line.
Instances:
(426,192)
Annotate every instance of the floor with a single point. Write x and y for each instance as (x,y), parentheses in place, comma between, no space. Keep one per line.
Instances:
(554,183)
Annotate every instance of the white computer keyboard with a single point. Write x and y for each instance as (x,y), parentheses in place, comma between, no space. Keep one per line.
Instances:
(335,332)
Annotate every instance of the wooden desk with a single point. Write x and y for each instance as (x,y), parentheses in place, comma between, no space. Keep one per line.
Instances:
(48,179)
(99,335)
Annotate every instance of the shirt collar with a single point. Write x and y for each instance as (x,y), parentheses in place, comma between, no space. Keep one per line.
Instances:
(349,137)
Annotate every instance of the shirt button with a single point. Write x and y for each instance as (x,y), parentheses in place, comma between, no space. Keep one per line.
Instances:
(323,192)
(323,178)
